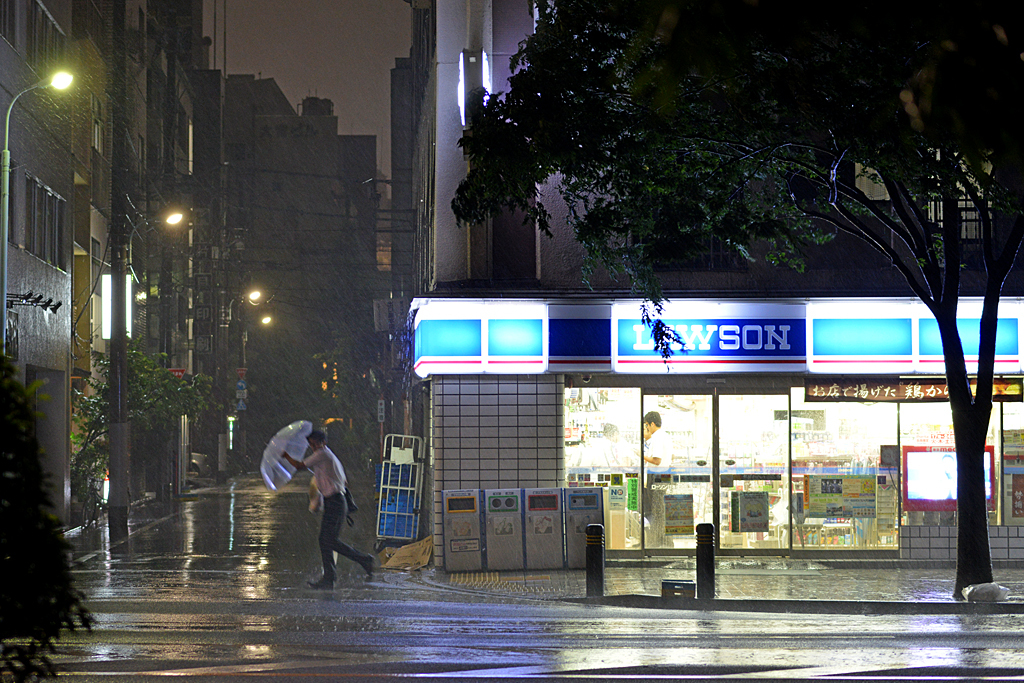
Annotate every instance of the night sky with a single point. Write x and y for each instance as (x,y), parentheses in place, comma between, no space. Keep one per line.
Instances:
(342,50)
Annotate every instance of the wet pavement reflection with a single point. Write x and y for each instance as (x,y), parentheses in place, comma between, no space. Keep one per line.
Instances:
(216,588)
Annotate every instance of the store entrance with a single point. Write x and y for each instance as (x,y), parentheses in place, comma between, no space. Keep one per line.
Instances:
(671,461)
(734,476)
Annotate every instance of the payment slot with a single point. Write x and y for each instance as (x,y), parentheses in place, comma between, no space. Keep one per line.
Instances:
(463,537)
(503,529)
(544,529)
(582,508)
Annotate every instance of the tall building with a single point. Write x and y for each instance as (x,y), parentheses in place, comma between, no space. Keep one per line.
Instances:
(301,212)
(35,44)
(75,182)
(802,415)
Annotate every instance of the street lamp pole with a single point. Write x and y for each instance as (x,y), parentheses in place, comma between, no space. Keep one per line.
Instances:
(60,81)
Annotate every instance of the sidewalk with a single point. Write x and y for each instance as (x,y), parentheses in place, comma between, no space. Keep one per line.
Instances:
(749,584)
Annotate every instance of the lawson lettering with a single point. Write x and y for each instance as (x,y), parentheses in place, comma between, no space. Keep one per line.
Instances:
(722,337)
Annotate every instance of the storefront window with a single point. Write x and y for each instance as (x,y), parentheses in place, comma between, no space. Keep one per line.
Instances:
(1013,464)
(929,454)
(602,448)
(845,496)
(677,469)
(753,452)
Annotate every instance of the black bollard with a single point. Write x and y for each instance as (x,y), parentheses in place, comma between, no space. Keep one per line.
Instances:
(595,560)
(705,561)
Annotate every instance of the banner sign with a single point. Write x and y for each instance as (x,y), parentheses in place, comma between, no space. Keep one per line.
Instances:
(871,390)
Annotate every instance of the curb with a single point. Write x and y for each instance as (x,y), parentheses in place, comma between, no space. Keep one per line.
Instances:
(802,606)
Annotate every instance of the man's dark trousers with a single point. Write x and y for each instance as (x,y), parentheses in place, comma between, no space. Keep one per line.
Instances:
(335,511)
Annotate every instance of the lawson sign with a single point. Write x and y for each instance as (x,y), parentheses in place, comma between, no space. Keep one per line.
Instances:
(856,336)
(716,342)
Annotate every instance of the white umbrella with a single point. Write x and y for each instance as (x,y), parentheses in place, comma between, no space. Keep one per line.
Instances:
(276,470)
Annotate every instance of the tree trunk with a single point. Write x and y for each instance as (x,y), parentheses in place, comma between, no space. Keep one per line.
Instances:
(973,557)
(971,417)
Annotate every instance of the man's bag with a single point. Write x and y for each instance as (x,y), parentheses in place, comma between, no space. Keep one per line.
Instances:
(350,502)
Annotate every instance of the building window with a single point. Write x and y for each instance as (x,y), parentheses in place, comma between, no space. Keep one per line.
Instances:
(97,124)
(44,223)
(7,16)
(46,42)
(384,251)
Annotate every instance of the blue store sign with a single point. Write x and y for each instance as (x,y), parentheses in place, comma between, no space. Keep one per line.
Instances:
(862,336)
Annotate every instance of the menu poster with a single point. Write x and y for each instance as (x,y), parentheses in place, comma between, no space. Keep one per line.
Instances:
(749,511)
(679,514)
(840,496)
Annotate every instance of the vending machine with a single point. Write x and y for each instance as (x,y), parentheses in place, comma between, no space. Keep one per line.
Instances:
(583,507)
(463,538)
(544,529)
(503,529)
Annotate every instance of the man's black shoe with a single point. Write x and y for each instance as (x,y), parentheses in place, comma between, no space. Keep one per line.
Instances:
(368,567)
(322,584)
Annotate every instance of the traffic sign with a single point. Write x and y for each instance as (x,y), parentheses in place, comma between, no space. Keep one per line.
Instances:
(241,372)
(177,372)
(240,406)
(241,385)
(241,393)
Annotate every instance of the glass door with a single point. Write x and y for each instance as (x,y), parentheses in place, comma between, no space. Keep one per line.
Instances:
(602,449)
(677,462)
(754,491)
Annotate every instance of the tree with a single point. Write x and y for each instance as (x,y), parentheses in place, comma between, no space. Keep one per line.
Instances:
(37,598)
(664,124)
(156,401)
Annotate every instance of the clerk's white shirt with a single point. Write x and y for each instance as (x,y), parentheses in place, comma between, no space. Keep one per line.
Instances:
(327,470)
(659,446)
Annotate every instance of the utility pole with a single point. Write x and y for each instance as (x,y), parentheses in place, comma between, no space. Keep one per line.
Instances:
(117,506)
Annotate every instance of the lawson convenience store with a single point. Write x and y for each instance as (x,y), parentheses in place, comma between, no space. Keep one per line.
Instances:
(807,427)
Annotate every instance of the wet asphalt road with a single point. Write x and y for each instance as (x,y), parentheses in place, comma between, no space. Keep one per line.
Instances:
(217,592)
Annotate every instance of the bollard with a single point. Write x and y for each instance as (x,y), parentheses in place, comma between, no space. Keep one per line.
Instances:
(595,560)
(705,561)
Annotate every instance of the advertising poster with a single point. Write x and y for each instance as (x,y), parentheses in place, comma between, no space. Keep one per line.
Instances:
(1018,496)
(840,496)
(679,514)
(749,511)
(617,498)
(930,474)
(633,492)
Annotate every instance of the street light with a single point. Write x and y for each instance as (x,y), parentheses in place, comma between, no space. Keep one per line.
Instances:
(60,81)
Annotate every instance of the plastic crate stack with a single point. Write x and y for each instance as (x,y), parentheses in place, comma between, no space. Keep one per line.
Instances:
(398,513)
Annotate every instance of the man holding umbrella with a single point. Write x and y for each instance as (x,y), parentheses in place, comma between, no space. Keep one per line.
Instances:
(331,480)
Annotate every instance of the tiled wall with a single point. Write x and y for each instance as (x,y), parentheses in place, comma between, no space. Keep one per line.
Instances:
(939,542)
(495,431)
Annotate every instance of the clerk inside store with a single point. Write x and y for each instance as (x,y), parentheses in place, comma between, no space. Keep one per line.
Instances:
(778,473)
